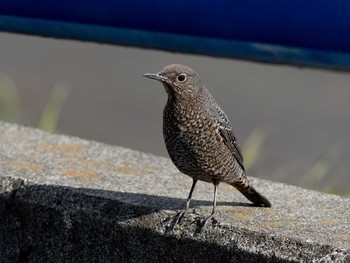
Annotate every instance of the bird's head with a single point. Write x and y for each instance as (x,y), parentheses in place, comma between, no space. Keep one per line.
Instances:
(179,81)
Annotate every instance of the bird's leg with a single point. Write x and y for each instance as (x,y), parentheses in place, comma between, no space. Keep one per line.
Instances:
(212,215)
(187,205)
(181,214)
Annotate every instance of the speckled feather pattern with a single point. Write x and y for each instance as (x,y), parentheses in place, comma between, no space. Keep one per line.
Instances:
(195,144)
(198,134)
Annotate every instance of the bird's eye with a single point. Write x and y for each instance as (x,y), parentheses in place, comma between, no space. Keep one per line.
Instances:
(181,77)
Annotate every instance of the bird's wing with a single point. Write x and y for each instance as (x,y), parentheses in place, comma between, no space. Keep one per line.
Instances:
(227,134)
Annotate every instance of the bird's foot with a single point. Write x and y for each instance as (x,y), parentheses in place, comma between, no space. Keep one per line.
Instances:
(212,218)
(203,224)
(176,219)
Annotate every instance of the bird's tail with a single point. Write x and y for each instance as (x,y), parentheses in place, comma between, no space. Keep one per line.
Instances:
(246,188)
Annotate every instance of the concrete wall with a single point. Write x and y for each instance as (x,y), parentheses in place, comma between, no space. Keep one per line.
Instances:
(64,199)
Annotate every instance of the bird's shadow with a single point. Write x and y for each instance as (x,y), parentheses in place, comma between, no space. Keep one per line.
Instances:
(81,223)
(105,202)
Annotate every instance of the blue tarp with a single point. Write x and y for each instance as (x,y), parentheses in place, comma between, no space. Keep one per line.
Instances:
(305,33)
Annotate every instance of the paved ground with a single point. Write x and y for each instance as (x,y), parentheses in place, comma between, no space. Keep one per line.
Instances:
(303,112)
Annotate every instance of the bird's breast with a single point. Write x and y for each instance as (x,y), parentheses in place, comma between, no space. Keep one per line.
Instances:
(194,143)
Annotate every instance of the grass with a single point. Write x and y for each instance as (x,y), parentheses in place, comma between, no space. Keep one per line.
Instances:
(253,147)
(318,177)
(52,111)
(10,108)
(10,105)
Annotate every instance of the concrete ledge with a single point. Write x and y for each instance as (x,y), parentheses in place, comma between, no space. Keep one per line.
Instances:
(64,199)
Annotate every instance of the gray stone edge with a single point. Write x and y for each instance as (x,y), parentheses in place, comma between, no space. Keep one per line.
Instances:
(24,204)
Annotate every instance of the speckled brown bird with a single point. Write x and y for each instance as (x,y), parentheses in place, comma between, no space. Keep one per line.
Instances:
(199,136)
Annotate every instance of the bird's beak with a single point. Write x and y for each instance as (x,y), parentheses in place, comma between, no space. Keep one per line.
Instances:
(155,76)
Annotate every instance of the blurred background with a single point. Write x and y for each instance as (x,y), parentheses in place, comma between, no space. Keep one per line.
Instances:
(292,123)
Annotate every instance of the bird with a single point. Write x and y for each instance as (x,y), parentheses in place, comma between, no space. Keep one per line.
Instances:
(199,137)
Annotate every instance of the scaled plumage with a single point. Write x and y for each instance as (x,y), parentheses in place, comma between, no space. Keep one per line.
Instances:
(198,135)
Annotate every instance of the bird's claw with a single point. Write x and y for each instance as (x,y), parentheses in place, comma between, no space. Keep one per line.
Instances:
(176,219)
(203,223)
(214,221)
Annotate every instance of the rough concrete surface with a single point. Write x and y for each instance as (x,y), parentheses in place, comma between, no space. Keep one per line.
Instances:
(64,199)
